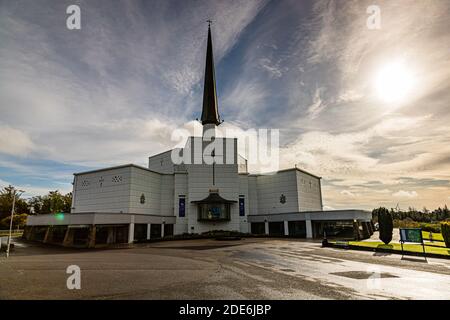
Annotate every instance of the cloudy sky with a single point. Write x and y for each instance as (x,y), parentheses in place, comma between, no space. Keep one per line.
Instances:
(367,109)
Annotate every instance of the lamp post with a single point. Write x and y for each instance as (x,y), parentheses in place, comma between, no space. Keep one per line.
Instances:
(14,192)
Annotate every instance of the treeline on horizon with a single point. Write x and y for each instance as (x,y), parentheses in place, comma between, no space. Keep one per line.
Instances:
(423,215)
(412,218)
(52,202)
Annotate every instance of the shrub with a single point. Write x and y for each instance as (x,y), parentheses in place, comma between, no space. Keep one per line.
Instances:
(431,227)
(386,225)
(408,223)
(445,229)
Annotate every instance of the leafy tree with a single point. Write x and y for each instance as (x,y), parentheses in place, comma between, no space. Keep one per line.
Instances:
(412,214)
(67,202)
(386,225)
(53,202)
(19,221)
(6,200)
(36,204)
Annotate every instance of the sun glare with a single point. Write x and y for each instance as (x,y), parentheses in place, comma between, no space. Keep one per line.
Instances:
(394,82)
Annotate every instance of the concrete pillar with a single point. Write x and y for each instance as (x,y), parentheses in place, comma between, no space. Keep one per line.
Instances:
(26,232)
(148,231)
(369,225)
(48,235)
(162,230)
(309,231)
(29,233)
(266,227)
(356,231)
(110,238)
(131,233)
(91,236)
(366,231)
(68,238)
(286,228)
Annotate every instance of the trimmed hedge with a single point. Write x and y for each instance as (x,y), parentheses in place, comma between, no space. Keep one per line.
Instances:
(386,224)
(445,230)
(430,227)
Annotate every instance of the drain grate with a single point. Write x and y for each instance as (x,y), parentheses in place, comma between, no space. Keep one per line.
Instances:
(363,274)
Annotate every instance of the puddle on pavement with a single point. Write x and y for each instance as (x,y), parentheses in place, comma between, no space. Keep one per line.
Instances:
(201,247)
(360,275)
(287,270)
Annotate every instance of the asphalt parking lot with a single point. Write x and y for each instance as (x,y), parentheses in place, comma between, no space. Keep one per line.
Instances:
(253,268)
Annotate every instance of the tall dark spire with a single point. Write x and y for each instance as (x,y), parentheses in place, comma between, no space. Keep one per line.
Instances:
(210,113)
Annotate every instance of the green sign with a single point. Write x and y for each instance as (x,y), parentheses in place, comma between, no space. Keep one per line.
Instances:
(411,235)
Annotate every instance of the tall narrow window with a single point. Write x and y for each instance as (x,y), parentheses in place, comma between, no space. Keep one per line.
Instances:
(241,206)
(181,206)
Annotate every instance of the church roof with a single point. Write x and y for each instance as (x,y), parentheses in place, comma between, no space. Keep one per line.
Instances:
(210,113)
(214,198)
(114,168)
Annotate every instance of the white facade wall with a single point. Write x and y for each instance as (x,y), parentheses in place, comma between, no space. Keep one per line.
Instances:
(252,194)
(147,183)
(181,189)
(120,189)
(271,187)
(102,191)
(309,192)
(161,163)
(244,191)
(242,164)
(167,195)
(200,182)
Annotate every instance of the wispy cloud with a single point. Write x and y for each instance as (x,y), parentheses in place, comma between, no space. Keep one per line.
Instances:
(127,78)
(317,105)
(405,194)
(15,142)
(348,193)
(113,91)
(272,69)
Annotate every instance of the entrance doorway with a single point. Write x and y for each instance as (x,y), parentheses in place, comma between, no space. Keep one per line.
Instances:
(276,228)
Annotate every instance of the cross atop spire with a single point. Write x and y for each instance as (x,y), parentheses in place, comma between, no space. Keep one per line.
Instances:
(209,23)
(210,113)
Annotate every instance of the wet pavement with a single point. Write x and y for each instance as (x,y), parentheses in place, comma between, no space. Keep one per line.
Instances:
(253,268)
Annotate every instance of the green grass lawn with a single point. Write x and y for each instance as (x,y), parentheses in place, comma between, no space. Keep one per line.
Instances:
(407,247)
(435,244)
(436,236)
(14,234)
(435,247)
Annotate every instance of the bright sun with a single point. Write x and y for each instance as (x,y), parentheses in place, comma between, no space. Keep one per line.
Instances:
(394,82)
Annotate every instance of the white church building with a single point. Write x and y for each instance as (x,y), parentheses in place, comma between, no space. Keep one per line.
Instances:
(129,203)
